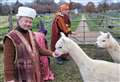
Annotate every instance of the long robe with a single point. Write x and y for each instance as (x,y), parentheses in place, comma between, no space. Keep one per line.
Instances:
(61,23)
(11,55)
(47,73)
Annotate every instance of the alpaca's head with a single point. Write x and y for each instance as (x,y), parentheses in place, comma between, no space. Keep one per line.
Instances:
(104,40)
(62,45)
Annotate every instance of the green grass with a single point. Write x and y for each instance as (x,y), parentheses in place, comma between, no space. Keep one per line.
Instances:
(61,71)
(96,24)
(48,22)
(1,66)
(3,21)
(75,22)
(68,72)
(92,25)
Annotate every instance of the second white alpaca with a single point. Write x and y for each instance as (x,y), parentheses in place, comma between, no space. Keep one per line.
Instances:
(91,70)
(105,40)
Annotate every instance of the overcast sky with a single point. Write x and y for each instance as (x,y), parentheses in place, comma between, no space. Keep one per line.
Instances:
(81,1)
(86,1)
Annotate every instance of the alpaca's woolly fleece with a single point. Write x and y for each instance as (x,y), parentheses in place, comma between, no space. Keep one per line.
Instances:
(106,40)
(91,70)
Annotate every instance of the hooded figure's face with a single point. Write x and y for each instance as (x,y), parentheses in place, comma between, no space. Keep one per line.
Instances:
(25,23)
(66,12)
(64,9)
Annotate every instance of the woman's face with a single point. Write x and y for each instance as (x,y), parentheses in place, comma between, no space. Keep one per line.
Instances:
(66,12)
(25,23)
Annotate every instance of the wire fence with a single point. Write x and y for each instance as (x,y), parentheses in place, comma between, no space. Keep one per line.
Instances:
(95,22)
(101,22)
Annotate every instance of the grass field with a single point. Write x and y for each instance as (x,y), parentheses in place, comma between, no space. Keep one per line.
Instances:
(61,71)
(68,72)
(1,66)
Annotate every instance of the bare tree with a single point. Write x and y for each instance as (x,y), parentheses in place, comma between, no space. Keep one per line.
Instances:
(103,6)
(10,19)
(90,7)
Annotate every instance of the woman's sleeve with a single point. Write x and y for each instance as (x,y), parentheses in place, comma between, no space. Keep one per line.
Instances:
(45,52)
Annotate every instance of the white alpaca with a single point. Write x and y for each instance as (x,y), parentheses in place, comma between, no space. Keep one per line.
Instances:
(105,40)
(91,70)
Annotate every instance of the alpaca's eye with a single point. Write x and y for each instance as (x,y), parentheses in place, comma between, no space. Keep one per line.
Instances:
(60,47)
(103,41)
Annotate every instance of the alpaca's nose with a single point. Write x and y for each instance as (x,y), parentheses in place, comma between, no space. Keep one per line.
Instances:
(95,43)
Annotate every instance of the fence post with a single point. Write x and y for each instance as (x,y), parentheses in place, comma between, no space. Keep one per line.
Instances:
(84,20)
(10,26)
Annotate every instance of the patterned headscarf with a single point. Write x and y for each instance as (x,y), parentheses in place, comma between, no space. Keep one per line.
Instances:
(65,6)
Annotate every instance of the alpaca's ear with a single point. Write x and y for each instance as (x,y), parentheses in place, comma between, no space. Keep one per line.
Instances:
(62,34)
(63,39)
(108,34)
(101,32)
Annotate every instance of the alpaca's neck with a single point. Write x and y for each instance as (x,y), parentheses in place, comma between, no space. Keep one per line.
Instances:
(113,46)
(78,54)
(114,50)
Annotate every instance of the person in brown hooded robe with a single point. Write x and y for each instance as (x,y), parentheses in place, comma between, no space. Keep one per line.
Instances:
(61,23)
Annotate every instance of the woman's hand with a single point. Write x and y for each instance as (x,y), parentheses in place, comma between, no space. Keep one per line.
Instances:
(11,81)
(56,54)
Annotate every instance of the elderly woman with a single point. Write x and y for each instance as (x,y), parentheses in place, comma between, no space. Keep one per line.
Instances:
(21,51)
